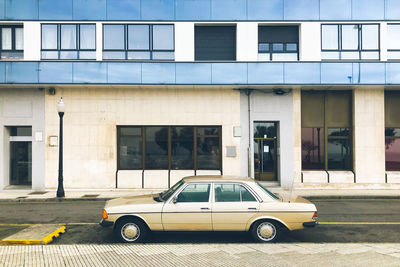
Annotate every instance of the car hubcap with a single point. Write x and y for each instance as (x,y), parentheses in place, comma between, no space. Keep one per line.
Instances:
(266,231)
(130,232)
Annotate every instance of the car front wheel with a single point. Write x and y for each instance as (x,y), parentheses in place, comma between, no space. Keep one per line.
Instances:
(266,231)
(131,231)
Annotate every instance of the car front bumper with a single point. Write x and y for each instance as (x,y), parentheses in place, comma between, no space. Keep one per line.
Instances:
(310,224)
(106,223)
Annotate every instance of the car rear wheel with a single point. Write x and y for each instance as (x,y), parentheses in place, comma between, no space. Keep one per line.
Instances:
(131,231)
(266,231)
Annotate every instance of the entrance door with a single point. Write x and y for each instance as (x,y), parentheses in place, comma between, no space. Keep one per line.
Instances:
(265,151)
(20,156)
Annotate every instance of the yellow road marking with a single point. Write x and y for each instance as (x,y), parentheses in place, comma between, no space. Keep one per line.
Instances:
(30,224)
(361,223)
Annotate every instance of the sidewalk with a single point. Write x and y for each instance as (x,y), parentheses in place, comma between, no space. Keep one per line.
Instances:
(246,254)
(93,194)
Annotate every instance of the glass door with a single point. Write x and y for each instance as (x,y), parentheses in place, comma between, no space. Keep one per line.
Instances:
(265,151)
(21,163)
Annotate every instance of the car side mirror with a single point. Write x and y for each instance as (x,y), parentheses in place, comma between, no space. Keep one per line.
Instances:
(174,200)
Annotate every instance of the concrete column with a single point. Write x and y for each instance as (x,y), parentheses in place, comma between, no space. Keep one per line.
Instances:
(32,40)
(383,41)
(247,41)
(99,41)
(369,135)
(296,135)
(310,41)
(184,41)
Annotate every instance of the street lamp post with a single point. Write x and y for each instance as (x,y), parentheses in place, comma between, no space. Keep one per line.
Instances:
(60,189)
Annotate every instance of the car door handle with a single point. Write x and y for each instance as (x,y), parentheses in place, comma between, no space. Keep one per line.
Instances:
(204,208)
(252,208)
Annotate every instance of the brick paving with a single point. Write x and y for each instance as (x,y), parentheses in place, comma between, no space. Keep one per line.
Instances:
(280,254)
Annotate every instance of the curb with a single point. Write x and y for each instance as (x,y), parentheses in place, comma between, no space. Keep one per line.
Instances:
(350,197)
(52,199)
(43,241)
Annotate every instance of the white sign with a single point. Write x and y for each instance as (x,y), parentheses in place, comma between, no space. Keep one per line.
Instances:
(266,149)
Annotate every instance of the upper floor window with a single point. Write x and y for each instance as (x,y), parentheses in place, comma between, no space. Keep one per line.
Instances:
(393,31)
(280,43)
(12,42)
(138,41)
(350,41)
(215,42)
(68,41)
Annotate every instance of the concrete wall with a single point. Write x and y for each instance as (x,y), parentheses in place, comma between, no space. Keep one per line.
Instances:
(296,135)
(92,114)
(267,106)
(22,107)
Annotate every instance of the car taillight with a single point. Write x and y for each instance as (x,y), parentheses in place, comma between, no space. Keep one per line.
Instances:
(315,216)
(105,215)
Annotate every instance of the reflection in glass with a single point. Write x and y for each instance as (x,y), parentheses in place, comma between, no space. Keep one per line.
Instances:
(113,55)
(277,47)
(227,193)
(350,37)
(264,130)
(313,148)
(156,148)
(130,148)
(194,193)
(163,37)
(208,151)
(370,37)
(392,149)
(182,146)
(68,54)
(139,55)
(291,47)
(339,157)
(68,36)
(49,54)
(49,36)
(330,37)
(113,36)
(262,47)
(87,36)
(163,55)
(138,37)
(87,55)
(6,39)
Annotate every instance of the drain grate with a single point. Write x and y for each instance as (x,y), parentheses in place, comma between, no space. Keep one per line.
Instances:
(94,195)
(38,193)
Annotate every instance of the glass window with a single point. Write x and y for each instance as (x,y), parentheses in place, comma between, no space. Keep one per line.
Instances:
(263,47)
(11,42)
(114,37)
(393,32)
(227,193)
(6,39)
(49,36)
(68,36)
(87,37)
(19,39)
(138,37)
(163,37)
(392,130)
(195,193)
(182,150)
(370,37)
(350,37)
(313,148)
(156,148)
(339,156)
(208,148)
(278,43)
(130,148)
(330,38)
(245,195)
(215,42)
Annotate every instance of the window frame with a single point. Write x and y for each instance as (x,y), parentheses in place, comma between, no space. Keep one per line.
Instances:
(256,198)
(393,50)
(195,137)
(77,42)
(359,49)
(126,49)
(13,49)
(182,188)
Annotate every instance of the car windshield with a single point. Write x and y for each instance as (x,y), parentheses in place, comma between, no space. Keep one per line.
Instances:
(167,194)
(268,192)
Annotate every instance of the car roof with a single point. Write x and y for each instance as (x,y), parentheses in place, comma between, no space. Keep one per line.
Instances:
(216,178)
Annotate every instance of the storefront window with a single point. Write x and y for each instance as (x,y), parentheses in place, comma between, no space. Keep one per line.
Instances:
(392,131)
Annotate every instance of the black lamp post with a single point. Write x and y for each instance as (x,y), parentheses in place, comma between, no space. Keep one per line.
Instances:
(60,189)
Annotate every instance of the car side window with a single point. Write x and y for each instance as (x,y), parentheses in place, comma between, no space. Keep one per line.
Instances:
(194,193)
(232,193)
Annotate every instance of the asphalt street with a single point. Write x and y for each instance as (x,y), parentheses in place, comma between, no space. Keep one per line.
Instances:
(342,213)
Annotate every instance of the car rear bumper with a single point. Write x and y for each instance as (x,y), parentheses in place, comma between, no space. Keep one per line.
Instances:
(106,223)
(310,224)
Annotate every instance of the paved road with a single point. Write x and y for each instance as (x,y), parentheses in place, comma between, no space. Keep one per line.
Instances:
(329,211)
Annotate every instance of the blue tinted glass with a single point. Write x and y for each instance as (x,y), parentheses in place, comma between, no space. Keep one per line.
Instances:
(87,36)
(277,47)
(2,72)
(193,9)
(92,72)
(228,10)
(392,9)
(55,72)
(368,9)
(158,73)
(114,37)
(21,9)
(301,10)
(265,73)
(124,72)
(265,10)
(2,9)
(263,47)
(68,36)
(193,73)
(229,73)
(302,73)
(163,37)
(123,9)
(393,73)
(49,36)
(158,10)
(22,72)
(291,47)
(89,10)
(336,73)
(335,10)
(372,73)
(138,37)
(55,9)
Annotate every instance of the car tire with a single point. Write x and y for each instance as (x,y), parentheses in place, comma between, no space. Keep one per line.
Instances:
(131,231)
(266,231)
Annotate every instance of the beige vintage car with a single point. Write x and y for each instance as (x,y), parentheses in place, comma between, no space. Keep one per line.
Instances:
(209,203)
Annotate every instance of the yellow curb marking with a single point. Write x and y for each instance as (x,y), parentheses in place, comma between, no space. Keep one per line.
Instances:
(30,224)
(42,241)
(388,223)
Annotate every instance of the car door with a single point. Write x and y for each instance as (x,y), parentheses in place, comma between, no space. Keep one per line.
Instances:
(190,210)
(233,207)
